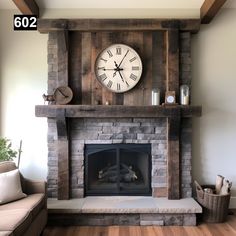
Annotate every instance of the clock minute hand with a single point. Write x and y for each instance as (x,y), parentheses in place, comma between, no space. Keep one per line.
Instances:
(121,76)
(123,58)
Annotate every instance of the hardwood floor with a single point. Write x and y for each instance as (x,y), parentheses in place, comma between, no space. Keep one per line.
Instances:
(225,229)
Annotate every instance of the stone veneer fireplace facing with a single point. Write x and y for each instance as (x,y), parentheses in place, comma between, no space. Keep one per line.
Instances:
(152,131)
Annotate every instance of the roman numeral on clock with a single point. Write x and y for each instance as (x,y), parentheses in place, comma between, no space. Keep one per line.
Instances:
(109,84)
(118,86)
(135,67)
(132,59)
(102,59)
(133,77)
(118,51)
(109,53)
(102,77)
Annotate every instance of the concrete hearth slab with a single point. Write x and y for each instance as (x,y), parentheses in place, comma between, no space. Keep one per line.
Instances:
(124,205)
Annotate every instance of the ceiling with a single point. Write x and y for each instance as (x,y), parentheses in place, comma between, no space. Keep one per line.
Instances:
(154,4)
(73,4)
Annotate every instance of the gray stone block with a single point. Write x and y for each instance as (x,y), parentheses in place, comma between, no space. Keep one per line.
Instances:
(189,220)
(173,219)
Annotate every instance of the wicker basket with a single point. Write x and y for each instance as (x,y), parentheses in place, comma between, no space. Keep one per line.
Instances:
(215,206)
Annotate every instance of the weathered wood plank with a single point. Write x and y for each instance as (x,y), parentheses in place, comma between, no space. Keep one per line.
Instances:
(147,58)
(173,155)
(172,57)
(90,25)
(116,111)
(96,86)
(209,9)
(63,155)
(159,62)
(107,95)
(86,69)
(62,56)
(27,7)
(75,57)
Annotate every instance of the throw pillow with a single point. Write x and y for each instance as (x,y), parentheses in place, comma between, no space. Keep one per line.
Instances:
(10,186)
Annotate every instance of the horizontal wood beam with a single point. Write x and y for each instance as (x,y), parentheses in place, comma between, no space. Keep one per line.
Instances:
(209,9)
(88,25)
(27,7)
(116,111)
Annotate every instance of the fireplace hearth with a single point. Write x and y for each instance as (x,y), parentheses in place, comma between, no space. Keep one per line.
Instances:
(117,169)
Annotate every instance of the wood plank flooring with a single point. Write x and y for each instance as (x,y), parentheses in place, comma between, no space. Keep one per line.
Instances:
(225,229)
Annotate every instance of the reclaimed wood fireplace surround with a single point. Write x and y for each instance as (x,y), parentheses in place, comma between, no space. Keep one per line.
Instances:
(164,46)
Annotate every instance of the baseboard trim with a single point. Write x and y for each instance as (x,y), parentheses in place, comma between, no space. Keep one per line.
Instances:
(232,204)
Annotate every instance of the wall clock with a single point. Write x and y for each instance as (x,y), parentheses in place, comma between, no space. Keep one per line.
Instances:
(63,95)
(118,68)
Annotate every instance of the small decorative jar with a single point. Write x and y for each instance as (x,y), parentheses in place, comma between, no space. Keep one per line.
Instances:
(184,95)
(156,96)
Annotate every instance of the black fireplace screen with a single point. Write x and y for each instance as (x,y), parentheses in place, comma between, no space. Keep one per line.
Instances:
(117,169)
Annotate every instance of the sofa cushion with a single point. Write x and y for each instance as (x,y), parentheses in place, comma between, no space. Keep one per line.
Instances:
(17,220)
(6,233)
(33,203)
(10,186)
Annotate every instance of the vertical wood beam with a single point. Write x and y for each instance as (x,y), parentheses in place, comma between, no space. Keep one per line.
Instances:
(27,7)
(173,147)
(209,9)
(63,156)
(62,57)
(172,61)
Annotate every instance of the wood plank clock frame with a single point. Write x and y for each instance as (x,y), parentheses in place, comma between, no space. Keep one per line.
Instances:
(159,33)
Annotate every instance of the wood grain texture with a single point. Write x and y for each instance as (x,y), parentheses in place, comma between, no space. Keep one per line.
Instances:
(86,68)
(27,7)
(62,56)
(96,86)
(209,9)
(223,229)
(116,111)
(63,156)
(172,64)
(159,62)
(173,155)
(94,25)
(75,74)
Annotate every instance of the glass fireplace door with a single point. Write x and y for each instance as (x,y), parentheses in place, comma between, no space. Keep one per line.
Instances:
(117,169)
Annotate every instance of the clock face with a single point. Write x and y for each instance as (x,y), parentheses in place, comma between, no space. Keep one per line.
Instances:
(170,99)
(118,68)
(63,95)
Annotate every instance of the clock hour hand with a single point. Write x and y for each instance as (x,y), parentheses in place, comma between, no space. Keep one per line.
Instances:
(118,69)
(62,93)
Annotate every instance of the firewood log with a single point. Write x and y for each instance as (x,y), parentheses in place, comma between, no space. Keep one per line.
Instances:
(226,187)
(219,183)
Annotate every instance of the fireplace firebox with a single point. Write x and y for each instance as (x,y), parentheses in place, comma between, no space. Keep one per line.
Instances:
(117,169)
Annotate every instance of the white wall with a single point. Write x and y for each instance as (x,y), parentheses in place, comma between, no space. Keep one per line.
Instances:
(23,76)
(23,80)
(214,86)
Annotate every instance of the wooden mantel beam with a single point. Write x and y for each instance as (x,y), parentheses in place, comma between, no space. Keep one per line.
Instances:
(209,9)
(27,7)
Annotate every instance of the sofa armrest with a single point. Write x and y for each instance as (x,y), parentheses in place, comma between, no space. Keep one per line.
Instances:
(31,186)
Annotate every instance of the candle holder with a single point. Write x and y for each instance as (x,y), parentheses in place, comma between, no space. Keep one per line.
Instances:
(184,95)
(156,97)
